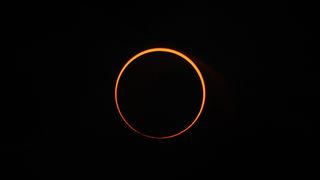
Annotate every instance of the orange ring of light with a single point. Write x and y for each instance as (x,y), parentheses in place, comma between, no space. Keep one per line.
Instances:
(167,51)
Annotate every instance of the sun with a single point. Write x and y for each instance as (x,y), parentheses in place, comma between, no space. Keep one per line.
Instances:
(184,57)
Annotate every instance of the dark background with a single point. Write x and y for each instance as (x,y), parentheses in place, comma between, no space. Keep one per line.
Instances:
(259,67)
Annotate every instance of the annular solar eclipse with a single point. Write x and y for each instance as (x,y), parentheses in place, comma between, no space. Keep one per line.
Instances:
(186,59)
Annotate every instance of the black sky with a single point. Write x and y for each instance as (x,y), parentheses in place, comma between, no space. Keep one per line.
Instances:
(258,64)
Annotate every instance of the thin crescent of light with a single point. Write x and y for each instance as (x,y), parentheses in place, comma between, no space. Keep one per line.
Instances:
(167,50)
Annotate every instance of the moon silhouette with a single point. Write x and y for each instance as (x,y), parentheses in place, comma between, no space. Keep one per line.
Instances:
(184,57)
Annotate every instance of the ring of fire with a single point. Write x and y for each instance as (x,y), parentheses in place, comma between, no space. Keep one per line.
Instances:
(184,57)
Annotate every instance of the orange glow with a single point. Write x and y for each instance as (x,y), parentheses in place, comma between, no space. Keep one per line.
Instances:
(167,51)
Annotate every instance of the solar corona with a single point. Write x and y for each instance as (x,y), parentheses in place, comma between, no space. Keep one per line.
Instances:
(186,59)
